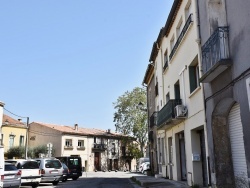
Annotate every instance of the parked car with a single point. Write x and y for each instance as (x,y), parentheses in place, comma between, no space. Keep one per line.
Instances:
(30,172)
(12,176)
(140,162)
(74,164)
(51,170)
(145,167)
(66,173)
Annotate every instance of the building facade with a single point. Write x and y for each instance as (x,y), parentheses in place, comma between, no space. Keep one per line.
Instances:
(179,102)
(224,30)
(99,150)
(13,132)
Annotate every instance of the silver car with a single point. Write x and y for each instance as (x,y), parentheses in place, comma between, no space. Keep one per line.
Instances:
(12,176)
(51,170)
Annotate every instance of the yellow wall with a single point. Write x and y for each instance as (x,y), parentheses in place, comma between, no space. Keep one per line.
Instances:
(17,131)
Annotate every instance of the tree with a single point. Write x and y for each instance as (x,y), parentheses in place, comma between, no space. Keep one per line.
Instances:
(129,119)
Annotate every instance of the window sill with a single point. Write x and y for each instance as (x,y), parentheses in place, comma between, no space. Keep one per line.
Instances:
(195,91)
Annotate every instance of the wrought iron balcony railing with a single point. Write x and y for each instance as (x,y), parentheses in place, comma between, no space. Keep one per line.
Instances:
(215,52)
(167,112)
(99,146)
(181,36)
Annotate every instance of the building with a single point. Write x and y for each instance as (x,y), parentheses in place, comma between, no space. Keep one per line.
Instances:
(13,132)
(100,150)
(149,82)
(224,29)
(179,102)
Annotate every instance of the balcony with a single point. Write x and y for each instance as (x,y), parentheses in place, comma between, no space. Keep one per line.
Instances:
(166,116)
(181,36)
(80,147)
(68,147)
(99,147)
(215,55)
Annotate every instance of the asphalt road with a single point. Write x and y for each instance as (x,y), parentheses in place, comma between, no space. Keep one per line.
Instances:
(96,180)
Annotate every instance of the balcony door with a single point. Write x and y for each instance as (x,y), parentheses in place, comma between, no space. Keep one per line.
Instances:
(177,90)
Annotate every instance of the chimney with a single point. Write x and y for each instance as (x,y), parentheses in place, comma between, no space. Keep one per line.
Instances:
(76,127)
(19,120)
(109,130)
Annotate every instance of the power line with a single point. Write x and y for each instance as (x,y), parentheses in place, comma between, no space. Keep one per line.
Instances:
(13,113)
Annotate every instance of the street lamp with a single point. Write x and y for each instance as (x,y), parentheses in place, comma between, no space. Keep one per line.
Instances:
(140,106)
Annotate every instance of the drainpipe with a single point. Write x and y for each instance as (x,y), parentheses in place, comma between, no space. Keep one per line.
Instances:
(183,90)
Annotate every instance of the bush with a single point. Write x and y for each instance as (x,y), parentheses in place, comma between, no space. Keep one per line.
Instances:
(17,152)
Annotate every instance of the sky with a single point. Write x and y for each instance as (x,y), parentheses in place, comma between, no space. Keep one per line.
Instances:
(66,62)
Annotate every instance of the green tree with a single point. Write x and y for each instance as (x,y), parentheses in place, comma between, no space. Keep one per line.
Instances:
(131,120)
(17,152)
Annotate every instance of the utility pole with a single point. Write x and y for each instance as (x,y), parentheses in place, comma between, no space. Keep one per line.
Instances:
(26,140)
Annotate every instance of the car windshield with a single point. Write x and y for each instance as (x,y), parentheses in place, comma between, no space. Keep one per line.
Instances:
(73,162)
(28,165)
(53,164)
(9,167)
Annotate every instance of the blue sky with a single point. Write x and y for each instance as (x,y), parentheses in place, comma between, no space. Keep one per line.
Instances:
(66,62)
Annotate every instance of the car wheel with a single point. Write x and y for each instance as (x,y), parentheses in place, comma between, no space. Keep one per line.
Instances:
(55,182)
(35,185)
(64,179)
(75,178)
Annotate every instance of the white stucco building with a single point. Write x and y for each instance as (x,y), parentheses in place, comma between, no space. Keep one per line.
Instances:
(181,132)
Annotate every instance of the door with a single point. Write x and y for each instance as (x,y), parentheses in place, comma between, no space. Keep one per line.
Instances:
(182,157)
(237,147)
(203,158)
(97,161)
(116,164)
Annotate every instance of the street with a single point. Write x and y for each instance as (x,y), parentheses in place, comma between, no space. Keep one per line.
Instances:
(96,180)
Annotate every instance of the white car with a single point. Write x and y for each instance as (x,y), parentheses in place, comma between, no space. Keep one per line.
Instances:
(31,174)
(145,167)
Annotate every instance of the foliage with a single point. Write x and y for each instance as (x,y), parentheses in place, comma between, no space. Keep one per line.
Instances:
(129,119)
(17,152)
(41,149)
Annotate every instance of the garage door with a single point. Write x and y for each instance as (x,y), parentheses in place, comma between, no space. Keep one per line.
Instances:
(237,147)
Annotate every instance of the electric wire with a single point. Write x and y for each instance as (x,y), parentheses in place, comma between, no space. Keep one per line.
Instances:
(13,113)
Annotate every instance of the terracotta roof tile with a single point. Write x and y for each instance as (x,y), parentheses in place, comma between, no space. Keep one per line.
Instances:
(7,120)
(81,131)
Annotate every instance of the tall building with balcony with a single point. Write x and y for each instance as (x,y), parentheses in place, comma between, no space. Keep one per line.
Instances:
(99,150)
(224,29)
(178,97)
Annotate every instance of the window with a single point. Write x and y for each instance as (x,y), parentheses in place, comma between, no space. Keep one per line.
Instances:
(194,75)
(1,139)
(11,140)
(165,60)
(68,142)
(156,88)
(188,9)
(167,98)
(179,28)
(172,43)
(80,143)
(113,149)
(177,90)
(21,141)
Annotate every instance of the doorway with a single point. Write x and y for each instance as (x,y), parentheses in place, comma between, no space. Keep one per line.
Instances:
(97,161)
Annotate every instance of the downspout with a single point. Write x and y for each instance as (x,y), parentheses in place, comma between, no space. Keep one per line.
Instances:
(203,92)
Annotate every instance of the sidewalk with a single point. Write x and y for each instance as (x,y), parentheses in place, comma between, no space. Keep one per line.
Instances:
(151,181)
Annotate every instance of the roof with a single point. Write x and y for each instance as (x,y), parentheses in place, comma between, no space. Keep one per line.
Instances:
(166,29)
(9,121)
(79,130)
(149,72)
